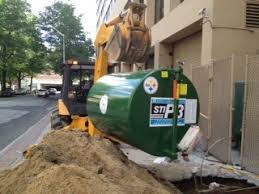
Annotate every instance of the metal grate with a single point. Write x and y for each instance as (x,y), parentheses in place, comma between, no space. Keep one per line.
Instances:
(252,14)
(250,132)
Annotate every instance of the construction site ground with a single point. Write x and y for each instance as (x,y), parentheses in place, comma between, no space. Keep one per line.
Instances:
(203,170)
(73,162)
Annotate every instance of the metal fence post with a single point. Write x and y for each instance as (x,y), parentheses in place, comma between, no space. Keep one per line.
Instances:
(244,111)
(231,107)
(210,66)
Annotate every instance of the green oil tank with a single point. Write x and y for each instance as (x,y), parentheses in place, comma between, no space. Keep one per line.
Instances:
(137,108)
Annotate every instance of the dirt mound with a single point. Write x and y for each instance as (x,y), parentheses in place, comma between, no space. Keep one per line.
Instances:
(72,162)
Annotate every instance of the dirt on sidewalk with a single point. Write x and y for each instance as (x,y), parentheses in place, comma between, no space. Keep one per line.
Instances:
(73,162)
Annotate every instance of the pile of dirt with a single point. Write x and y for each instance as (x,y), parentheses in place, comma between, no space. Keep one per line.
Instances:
(72,162)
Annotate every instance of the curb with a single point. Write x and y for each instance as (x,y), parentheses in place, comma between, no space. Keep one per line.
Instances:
(11,155)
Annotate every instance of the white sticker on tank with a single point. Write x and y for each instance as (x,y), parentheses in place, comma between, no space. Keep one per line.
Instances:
(191,111)
(103,104)
(150,85)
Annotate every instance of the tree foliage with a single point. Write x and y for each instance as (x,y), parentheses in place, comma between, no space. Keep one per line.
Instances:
(62,17)
(23,39)
(20,42)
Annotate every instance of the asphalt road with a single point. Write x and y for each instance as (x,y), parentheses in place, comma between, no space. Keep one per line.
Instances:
(19,113)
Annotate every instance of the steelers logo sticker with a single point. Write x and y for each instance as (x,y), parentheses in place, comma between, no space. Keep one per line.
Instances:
(150,85)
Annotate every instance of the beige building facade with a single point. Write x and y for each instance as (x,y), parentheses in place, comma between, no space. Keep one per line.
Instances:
(104,11)
(198,31)
(194,31)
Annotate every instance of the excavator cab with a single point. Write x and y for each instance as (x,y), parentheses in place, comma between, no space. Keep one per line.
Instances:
(77,81)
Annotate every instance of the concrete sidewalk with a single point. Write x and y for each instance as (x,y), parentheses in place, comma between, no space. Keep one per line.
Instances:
(11,155)
(179,170)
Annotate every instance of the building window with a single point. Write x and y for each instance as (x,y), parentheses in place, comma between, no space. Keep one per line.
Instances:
(159,10)
(252,14)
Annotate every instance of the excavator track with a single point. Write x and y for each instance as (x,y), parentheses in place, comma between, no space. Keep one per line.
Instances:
(56,121)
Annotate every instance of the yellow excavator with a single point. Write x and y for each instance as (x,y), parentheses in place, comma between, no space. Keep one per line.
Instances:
(125,38)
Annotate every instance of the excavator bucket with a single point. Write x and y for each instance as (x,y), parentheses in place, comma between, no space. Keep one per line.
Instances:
(130,40)
(133,48)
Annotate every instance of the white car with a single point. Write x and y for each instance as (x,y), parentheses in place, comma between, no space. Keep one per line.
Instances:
(43,93)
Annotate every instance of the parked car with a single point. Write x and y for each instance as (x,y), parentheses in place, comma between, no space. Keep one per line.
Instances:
(8,92)
(43,93)
(28,91)
(52,91)
(21,91)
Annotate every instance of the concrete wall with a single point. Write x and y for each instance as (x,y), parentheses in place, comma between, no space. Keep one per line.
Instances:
(188,50)
(230,35)
(223,31)
(184,15)
(182,21)
(163,56)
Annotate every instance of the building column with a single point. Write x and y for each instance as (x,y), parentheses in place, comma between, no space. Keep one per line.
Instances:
(125,67)
(207,35)
(206,47)
(117,68)
(138,67)
(163,56)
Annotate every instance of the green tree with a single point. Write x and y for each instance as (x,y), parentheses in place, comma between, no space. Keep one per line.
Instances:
(62,17)
(34,58)
(37,56)
(13,22)
(20,41)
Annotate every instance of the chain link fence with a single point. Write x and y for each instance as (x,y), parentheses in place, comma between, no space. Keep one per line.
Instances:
(200,78)
(250,135)
(221,108)
(214,85)
(217,86)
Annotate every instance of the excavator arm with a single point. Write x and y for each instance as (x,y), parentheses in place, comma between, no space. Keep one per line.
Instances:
(125,38)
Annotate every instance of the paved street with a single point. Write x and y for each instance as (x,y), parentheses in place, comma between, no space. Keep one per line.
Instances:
(18,114)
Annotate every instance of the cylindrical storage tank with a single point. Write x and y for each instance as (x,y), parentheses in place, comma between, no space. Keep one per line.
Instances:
(137,108)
